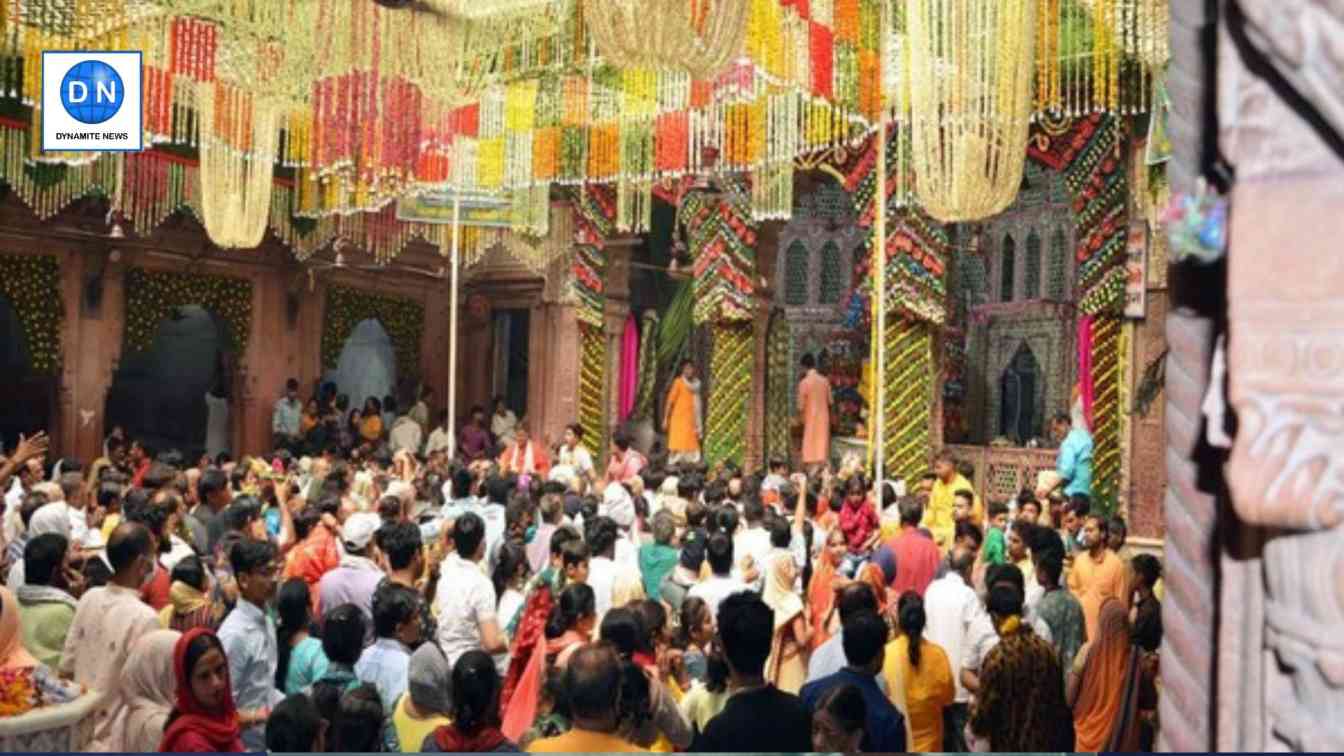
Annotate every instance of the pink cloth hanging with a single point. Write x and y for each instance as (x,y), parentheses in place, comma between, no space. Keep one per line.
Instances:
(629,383)
(1085,387)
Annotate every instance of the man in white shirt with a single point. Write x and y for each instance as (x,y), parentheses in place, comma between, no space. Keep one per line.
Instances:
(574,455)
(982,637)
(721,584)
(753,541)
(607,577)
(438,438)
(952,608)
(466,598)
(107,623)
(406,435)
(502,422)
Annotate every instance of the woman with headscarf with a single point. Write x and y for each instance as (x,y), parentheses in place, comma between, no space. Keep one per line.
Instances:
(25,682)
(569,626)
(427,703)
(786,667)
(204,718)
(149,684)
(821,589)
(1104,685)
(1020,705)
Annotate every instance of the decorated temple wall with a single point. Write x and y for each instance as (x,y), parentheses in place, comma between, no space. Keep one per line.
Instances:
(285,318)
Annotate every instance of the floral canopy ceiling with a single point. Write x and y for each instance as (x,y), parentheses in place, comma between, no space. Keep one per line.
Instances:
(355,103)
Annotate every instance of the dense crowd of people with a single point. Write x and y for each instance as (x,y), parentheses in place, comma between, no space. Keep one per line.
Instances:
(358,589)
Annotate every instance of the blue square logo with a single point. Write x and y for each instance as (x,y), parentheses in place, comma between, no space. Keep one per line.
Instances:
(92,101)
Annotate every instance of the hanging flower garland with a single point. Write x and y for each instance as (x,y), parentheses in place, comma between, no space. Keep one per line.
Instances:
(151,297)
(403,319)
(32,285)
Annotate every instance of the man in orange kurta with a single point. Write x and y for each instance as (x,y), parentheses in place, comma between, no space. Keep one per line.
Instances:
(1097,575)
(681,417)
(524,456)
(814,407)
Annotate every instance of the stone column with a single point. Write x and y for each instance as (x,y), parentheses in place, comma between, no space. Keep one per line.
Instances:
(616,307)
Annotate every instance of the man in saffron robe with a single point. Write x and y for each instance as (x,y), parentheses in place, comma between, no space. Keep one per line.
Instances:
(1097,575)
(814,409)
(524,456)
(681,417)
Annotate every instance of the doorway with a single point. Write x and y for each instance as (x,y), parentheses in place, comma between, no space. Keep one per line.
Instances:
(159,395)
(367,365)
(512,339)
(29,397)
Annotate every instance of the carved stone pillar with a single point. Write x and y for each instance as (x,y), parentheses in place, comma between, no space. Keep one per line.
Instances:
(615,310)
(1281,657)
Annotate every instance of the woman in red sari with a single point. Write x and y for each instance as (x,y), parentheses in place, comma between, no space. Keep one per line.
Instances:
(204,719)
(569,626)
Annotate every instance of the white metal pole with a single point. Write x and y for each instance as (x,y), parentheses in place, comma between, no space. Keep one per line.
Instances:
(880,294)
(452,330)
(879,266)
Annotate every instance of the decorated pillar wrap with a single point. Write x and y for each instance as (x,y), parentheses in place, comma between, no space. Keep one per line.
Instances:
(594,211)
(722,239)
(1089,152)
(914,277)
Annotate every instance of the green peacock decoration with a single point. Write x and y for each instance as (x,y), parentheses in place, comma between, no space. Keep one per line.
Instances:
(778,387)
(730,389)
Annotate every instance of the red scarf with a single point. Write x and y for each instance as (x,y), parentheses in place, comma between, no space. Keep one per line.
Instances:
(485,740)
(219,729)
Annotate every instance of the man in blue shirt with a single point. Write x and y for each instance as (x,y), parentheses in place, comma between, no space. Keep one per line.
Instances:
(285,426)
(249,641)
(865,640)
(1074,463)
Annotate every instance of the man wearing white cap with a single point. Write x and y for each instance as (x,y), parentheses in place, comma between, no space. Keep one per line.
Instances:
(358,575)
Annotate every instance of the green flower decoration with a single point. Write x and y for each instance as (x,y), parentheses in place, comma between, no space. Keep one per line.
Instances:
(152,296)
(32,284)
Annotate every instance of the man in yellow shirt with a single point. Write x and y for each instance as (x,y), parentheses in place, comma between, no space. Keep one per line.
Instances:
(938,516)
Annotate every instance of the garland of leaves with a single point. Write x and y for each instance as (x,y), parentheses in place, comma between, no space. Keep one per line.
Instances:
(32,284)
(730,372)
(645,400)
(152,296)
(1088,153)
(403,319)
(1106,376)
(778,384)
(594,220)
(592,385)
(909,374)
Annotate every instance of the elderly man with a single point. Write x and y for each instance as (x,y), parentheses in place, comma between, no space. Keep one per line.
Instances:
(107,622)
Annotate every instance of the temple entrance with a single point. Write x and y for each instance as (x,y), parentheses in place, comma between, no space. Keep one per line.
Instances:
(367,365)
(29,397)
(159,395)
(512,330)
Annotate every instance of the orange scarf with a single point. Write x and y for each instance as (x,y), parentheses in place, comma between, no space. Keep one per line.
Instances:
(821,599)
(1108,699)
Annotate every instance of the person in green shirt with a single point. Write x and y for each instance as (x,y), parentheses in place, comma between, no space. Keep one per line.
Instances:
(995,545)
(658,558)
(46,609)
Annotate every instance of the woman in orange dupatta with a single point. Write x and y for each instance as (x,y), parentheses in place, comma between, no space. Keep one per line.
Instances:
(872,574)
(1103,686)
(786,667)
(822,617)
